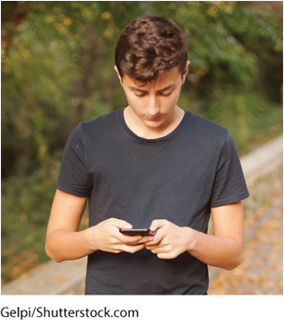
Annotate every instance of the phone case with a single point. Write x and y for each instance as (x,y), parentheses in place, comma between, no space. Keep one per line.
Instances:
(135,232)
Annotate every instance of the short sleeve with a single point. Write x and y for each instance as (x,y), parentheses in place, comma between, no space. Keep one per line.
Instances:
(229,184)
(73,176)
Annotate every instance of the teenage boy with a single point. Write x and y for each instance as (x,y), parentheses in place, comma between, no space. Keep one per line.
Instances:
(149,164)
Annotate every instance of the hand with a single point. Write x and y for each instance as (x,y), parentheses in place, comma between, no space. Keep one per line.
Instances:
(170,240)
(105,236)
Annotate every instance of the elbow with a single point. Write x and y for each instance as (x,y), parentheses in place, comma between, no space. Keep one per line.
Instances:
(51,254)
(236,256)
(234,263)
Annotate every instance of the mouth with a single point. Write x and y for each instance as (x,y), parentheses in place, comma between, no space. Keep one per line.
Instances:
(156,118)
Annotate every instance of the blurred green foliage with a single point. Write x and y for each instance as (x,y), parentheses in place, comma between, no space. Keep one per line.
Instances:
(57,70)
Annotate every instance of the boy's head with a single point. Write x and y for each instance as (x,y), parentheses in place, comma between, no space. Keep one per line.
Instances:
(148,46)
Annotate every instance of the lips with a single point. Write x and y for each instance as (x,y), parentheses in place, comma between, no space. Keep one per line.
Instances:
(154,118)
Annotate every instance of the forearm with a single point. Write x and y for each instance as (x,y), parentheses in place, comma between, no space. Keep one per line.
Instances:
(64,245)
(218,251)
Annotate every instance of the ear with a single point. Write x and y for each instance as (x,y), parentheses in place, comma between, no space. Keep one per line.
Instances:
(118,74)
(185,71)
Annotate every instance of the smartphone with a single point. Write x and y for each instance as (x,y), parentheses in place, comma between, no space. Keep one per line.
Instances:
(135,232)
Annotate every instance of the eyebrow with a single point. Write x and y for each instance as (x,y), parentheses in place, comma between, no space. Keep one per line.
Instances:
(140,90)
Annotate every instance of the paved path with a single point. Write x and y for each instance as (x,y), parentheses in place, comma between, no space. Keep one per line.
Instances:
(261,272)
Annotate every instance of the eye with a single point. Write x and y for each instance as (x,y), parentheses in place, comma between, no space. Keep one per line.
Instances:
(165,94)
(140,95)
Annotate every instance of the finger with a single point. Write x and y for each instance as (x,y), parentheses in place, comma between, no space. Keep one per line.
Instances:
(159,236)
(131,249)
(166,256)
(151,248)
(159,250)
(158,223)
(146,239)
(129,239)
(154,247)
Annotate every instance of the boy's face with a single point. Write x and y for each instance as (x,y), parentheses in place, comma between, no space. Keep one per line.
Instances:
(154,104)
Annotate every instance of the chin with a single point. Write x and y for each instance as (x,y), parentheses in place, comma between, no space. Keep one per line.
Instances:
(154,124)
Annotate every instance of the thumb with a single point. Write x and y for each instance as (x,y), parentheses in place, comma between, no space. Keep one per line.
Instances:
(119,223)
(158,223)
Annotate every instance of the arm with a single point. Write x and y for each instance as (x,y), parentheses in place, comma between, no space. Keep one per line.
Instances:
(224,249)
(65,242)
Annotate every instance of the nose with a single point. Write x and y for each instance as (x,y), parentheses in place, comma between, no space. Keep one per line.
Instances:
(153,107)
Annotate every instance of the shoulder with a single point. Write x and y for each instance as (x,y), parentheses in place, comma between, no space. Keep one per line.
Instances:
(204,125)
(100,122)
(100,125)
(207,132)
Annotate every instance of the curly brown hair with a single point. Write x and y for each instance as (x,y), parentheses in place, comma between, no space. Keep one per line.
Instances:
(148,46)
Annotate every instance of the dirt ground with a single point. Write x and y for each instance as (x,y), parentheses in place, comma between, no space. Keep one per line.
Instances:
(261,272)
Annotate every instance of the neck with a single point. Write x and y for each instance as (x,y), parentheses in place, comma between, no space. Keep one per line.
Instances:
(153,130)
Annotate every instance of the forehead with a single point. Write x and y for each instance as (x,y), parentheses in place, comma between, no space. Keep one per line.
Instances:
(168,77)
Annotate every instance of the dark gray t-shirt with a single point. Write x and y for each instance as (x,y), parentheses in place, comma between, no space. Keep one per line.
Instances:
(178,177)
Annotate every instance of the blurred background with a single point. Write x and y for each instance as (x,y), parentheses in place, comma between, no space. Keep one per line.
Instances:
(57,70)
